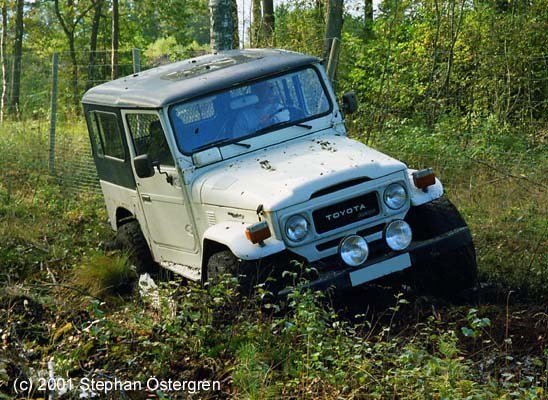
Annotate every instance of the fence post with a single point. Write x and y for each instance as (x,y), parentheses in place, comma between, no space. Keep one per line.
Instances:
(333,61)
(53,115)
(136,60)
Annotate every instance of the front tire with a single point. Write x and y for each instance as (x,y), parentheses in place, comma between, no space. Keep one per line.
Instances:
(249,273)
(446,275)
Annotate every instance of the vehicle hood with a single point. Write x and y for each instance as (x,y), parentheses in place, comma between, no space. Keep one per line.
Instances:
(289,173)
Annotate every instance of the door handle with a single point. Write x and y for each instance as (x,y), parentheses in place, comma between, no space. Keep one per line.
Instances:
(146,197)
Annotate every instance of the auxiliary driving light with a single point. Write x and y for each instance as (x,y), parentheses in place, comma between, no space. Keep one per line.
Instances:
(398,235)
(354,250)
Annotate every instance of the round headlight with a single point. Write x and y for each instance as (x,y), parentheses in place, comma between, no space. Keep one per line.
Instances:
(398,235)
(296,228)
(395,196)
(354,250)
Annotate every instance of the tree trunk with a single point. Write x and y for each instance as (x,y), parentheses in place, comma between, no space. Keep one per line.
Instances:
(3,61)
(17,54)
(334,23)
(74,61)
(115,31)
(368,17)
(256,23)
(235,25)
(268,25)
(222,26)
(456,25)
(262,28)
(69,24)
(92,70)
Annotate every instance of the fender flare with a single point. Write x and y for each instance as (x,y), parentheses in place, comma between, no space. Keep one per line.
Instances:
(232,235)
(418,196)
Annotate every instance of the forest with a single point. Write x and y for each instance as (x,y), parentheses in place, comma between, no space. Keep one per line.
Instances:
(457,85)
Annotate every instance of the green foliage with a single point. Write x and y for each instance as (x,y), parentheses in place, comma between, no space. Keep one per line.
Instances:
(168,50)
(252,373)
(144,22)
(299,26)
(147,21)
(475,324)
(428,60)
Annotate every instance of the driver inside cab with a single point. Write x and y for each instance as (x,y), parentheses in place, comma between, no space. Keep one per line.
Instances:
(267,110)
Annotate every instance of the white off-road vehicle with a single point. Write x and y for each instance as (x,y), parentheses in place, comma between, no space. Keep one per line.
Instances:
(239,161)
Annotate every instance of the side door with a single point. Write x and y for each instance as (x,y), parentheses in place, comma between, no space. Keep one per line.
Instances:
(112,160)
(170,224)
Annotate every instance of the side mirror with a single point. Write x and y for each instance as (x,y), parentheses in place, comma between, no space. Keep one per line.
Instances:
(350,102)
(143,166)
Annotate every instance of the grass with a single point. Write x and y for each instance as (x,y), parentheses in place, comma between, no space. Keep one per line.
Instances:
(103,276)
(45,225)
(57,287)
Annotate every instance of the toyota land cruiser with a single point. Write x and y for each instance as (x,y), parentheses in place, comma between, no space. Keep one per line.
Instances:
(232,159)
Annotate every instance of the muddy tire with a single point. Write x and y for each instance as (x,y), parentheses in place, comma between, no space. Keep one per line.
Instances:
(130,239)
(449,274)
(222,263)
(249,273)
(225,263)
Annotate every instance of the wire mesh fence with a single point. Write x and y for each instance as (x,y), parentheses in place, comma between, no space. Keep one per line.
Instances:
(68,153)
(74,168)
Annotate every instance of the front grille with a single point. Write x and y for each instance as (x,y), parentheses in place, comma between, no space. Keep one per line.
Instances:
(346,212)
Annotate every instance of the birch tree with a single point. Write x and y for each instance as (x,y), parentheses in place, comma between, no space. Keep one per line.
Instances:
(222,25)
(3,37)
(17,56)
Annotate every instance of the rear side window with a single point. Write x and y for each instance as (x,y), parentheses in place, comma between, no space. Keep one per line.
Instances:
(106,135)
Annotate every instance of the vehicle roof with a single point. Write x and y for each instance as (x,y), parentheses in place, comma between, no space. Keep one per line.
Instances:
(157,87)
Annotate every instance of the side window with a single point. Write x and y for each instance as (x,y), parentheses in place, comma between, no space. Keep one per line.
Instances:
(96,141)
(148,137)
(106,136)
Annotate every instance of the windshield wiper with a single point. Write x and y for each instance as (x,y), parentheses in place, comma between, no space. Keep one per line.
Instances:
(221,142)
(282,124)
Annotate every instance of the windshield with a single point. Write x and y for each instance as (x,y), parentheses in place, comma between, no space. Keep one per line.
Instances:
(249,110)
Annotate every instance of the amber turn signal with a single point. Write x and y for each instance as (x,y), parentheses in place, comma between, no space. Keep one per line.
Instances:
(258,232)
(424,178)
